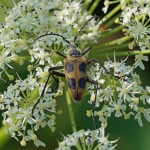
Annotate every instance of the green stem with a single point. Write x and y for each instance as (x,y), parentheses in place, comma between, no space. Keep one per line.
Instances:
(96,50)
(110,14)
(71,114)
(148,20)
(110,22)
(79,146)
(93,7)
(118,41)
(123,39)
(87,4)
(123,53)
(113,2)
(113,31)
(115,43)
(4,138)
(83,143)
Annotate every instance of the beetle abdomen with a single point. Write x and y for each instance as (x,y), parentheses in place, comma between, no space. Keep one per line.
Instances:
(76,76)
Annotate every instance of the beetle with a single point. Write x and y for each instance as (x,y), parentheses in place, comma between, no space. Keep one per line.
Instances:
(75,70)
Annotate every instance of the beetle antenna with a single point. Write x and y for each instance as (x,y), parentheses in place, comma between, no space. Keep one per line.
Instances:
(54,34)
(75,38)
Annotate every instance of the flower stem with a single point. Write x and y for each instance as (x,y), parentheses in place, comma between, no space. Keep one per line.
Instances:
(86,4)
(111,21)
(123,53)
(93,7)
(70,109)
(112,31)
(4,138)
(82,141)
(115,44)
(110,14)
(118,41)
(106,49)
(113,2)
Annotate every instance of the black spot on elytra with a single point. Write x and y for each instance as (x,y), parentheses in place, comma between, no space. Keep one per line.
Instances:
(81,82)
(82,67)
(71,83)
(69,67)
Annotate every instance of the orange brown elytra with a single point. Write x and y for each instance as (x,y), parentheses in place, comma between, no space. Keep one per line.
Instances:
(76,75)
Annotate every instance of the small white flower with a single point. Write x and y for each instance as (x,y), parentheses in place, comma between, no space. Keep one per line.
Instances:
(134,102)
(30,83)
(40,123)
(5,59)
(138,31)
(144,97)
(42,73)
(42,56)
(103,113)
(145,44)
(125,90)
(27,22)
(138,61)
(145,112)
(118,107)
(32,136)
(23,142)
(106,93)
(25,116)
(106,4)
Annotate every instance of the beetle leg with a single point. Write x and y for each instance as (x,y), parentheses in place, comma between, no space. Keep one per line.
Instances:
(97,61)
(52,72)
(93,103)
(86,50)
(57,74)
(55,68)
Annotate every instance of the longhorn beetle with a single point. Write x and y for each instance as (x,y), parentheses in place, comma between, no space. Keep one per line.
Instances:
(75,70)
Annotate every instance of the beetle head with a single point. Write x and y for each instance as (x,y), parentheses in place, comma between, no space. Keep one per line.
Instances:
(74,51)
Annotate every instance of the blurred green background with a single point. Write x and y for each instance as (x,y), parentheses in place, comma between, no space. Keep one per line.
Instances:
(131,135)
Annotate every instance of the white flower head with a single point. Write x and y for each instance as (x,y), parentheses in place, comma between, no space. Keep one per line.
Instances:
(90,139)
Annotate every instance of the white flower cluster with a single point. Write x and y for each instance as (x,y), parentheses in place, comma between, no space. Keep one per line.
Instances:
(120,92)
(135,16)
(90,140)
(26,21)
(17,102)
